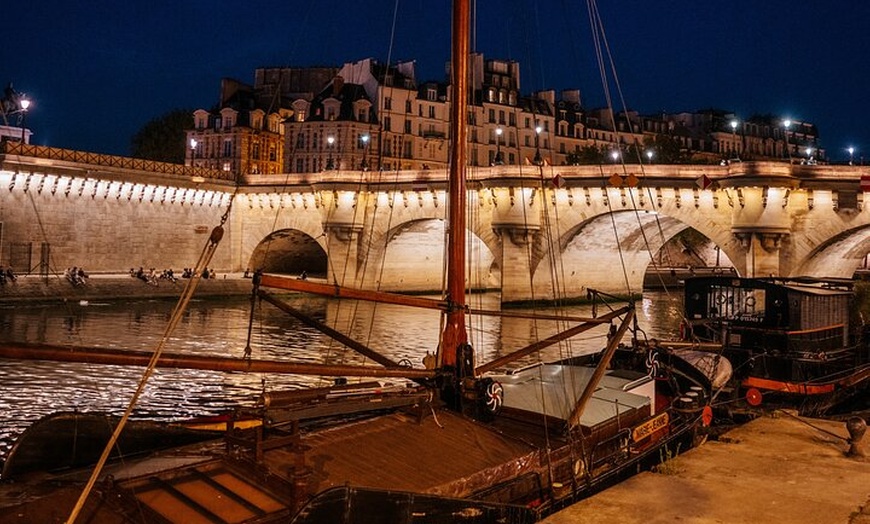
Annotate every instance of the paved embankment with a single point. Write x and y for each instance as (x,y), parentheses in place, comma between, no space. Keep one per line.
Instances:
(54,288)
(770,470)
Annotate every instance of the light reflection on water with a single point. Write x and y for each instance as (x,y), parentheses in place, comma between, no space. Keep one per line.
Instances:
(30,390)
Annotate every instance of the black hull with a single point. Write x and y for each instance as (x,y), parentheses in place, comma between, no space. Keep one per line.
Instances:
(63,441)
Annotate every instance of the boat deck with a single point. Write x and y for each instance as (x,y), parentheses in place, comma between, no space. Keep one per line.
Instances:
(444,454)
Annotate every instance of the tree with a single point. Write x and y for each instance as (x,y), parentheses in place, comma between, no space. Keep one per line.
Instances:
(163,138)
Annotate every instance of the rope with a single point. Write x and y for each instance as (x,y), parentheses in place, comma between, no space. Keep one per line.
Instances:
(817,428)
(204,259)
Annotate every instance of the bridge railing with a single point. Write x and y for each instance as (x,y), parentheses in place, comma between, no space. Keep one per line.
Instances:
(119,162)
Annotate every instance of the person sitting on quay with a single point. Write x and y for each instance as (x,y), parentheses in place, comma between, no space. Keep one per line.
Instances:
(73,276)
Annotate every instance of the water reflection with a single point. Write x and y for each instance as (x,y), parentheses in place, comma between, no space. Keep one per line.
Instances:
(29,390)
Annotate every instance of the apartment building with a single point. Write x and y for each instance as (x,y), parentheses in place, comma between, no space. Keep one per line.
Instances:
(368,115)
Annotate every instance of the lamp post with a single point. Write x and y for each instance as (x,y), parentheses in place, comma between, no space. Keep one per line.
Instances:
(329,163)
(193,144)
(24,103)
(734,138)
(614,155)
(498,158)
(365,142)
(851,151)
(786,124)
(538,160)
(649,155)
(809,152)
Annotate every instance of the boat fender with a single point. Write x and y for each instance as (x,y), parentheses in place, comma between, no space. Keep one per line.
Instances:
(707,416)
(579,469)
(753,397)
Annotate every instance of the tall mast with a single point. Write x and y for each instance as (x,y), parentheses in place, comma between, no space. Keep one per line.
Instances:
(454,329)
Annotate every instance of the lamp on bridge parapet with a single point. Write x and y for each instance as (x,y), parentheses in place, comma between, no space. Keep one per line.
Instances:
(538,160)
(24,103)
(330,140)
(786,124)
(649,155)
(193,144)
(851,151)
(734,143)
(498,158)
(365,144)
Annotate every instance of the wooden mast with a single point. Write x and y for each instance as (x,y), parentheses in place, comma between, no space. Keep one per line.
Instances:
(455,333)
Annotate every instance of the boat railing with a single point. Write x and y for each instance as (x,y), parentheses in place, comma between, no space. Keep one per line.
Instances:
(611,449)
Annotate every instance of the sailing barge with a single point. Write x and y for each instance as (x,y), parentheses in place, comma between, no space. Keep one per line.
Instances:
(455,441)
(792,342)
(513,448)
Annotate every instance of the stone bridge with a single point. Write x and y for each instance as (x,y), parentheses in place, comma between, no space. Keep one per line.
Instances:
(535,232)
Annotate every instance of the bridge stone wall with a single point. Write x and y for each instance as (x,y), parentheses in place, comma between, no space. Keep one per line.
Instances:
(580,227)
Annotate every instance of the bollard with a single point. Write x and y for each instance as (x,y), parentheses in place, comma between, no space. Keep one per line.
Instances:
(856,428)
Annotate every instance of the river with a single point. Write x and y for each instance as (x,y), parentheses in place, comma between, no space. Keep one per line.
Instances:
(32,389)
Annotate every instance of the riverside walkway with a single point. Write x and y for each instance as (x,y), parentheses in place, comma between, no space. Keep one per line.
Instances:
(34,288)
(771,470)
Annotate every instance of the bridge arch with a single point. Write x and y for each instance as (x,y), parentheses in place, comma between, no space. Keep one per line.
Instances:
(289,251)
(410,257)
(611,251)
(838,257)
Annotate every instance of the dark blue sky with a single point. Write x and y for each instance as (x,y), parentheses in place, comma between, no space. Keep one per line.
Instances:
(98,70)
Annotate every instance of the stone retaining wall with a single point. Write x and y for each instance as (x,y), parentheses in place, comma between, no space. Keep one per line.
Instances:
(37,289)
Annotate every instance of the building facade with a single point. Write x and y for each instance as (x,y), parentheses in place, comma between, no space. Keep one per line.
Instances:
(367,115)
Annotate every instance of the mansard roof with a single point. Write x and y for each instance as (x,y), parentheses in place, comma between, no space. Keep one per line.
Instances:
(347,95)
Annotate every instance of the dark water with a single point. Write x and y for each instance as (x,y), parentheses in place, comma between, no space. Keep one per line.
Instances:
(29,390)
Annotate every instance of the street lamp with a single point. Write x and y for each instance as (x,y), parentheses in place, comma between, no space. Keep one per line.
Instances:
(851,151)
(365,141)
(786,124)
(498,158)
(734,138)
(538,160)
(649,155)
(809,151)
(193,144)
(329,141)
(614,155)
(24,103)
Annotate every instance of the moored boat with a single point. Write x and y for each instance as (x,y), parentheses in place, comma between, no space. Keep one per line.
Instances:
(452,441)
(792,342)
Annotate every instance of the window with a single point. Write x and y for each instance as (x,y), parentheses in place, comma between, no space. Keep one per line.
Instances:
(300,115)
(300,165)
(273,156)
(408,126)
(217,123)
(387,124)
(228,148)
(432,94)
(407,106)
(388,103)
(255,150)
(431,111)
(501,117)
(492,115)
(362,115)
(300,141)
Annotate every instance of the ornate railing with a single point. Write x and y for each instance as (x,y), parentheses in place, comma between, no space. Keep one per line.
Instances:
(119,162)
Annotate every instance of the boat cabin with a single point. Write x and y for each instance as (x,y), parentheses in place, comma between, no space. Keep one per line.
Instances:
(796,330)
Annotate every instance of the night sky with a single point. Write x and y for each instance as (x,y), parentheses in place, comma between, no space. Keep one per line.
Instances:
(97,70)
